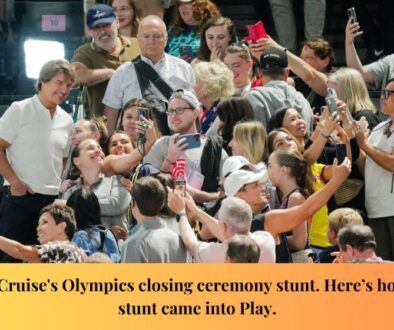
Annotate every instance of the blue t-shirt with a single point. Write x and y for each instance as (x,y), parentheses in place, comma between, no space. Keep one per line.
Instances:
(90,241)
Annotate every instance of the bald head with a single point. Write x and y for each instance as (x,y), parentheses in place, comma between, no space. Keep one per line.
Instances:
(152,20)
(152,37)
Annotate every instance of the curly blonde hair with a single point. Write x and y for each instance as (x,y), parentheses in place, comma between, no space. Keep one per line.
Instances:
(216,79)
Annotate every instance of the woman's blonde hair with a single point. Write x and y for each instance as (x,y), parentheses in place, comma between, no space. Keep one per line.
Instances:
(251,136)
(352,89)
(216,79)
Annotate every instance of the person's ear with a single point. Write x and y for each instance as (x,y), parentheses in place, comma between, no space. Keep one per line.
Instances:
(96,136)
(61,227)
(286,73)
(326,61)
(349,249)
(76,161)
(284,170)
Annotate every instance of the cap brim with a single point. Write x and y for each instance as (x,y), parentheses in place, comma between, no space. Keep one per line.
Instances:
(261,176)
(107,20)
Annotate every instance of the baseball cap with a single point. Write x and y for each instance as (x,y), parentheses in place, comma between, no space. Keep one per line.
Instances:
(236,180)
(99,14)
(234,163)
(273,59)
(188,96)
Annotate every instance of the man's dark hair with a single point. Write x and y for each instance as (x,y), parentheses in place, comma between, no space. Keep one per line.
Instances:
(359,237)
(322,49)
(62,213)
(149,195)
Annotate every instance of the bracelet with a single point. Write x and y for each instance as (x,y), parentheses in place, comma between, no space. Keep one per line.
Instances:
(324,135)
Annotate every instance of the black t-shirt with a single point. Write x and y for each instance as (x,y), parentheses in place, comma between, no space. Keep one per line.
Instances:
(315,100)
(282,251)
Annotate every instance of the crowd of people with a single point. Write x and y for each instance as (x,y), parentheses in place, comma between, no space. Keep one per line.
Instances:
(197,147)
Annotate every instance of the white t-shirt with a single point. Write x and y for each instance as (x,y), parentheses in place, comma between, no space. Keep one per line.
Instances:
(216,252)
(379,183)
(38,143)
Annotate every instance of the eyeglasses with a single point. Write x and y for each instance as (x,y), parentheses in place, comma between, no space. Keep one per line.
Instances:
(387,93)
(122,9)
(178,111)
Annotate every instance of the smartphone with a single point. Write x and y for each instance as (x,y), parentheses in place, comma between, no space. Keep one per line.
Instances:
(351,12)
(186,50)
(144,112)
(331,100)
(340,152)
(193,140)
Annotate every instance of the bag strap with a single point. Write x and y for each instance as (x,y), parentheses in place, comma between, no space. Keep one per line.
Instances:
(144,70)
(102,232)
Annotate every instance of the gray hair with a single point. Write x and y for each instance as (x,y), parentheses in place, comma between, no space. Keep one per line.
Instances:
(236,214)
(52,68)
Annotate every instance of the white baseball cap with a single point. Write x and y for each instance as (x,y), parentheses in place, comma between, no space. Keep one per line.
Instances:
(235,163)
(237,179)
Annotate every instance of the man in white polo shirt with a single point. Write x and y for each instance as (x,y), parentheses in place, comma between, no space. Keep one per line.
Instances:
(34,135)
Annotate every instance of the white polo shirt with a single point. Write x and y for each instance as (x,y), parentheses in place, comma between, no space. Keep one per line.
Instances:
(38,143)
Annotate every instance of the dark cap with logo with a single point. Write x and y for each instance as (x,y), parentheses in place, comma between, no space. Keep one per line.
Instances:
(273,60)
(99,14)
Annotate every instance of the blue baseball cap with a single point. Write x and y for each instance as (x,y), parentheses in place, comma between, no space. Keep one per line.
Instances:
(99,14)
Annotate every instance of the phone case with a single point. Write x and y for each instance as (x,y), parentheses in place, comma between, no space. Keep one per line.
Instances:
(256,32)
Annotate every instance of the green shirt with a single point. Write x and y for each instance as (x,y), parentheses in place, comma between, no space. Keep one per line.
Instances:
(94,58)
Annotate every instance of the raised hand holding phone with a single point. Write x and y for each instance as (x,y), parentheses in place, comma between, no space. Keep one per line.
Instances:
(256,32)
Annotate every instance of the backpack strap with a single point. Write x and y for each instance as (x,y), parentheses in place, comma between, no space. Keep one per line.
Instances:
(102,232)
(144,70)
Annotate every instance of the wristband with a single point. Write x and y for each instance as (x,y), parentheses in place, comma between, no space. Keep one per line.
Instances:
(179,215)
(348,127)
